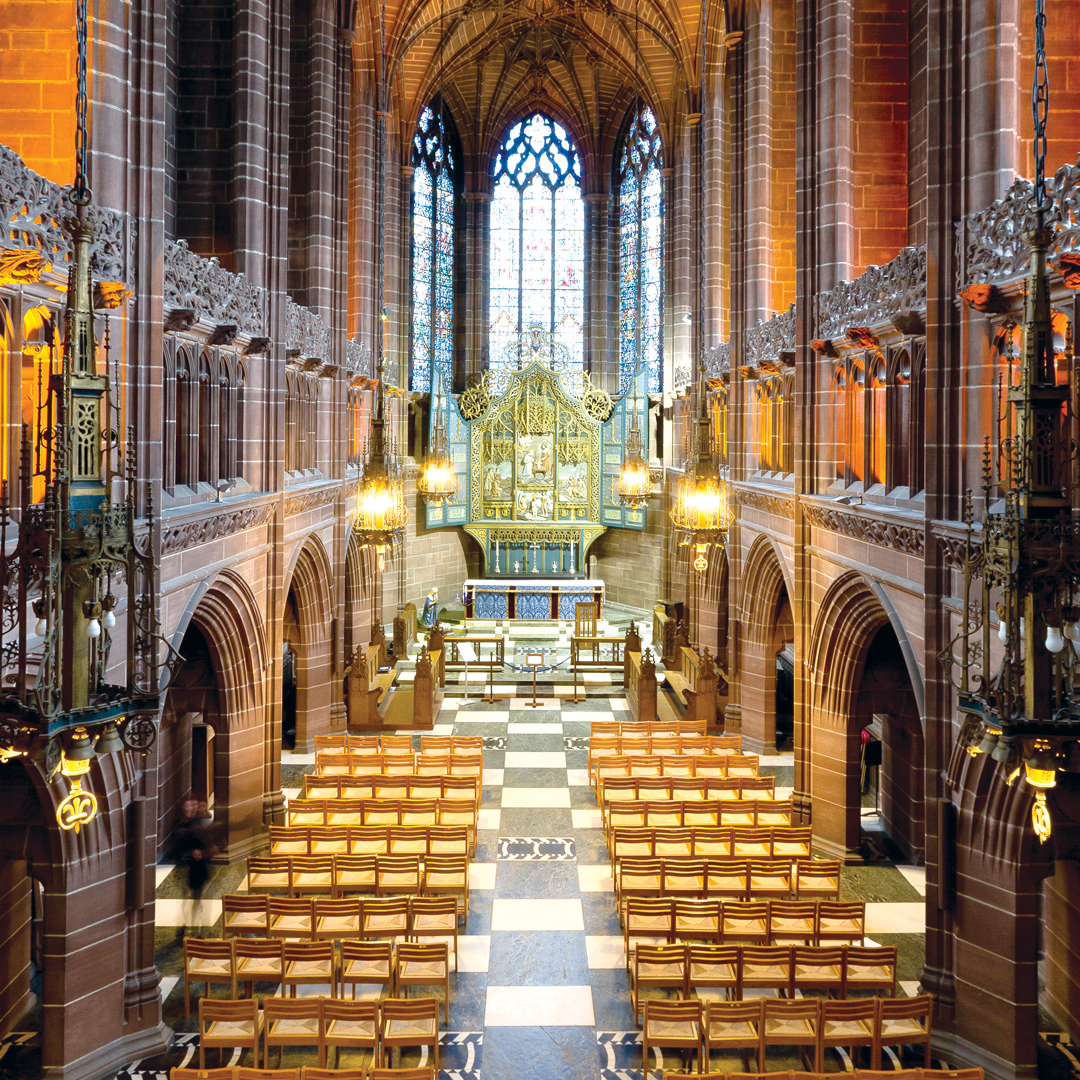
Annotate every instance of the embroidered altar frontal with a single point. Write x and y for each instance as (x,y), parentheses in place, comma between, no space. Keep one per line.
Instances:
(537,600)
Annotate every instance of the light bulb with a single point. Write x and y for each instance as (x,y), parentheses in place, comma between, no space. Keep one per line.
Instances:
(1003,632)
(1055,642)
(109,620)
(93,629)
(1072,631)
(42,627)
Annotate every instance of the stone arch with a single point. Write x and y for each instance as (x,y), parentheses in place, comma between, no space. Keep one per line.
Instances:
(360,582)
(224,614)
(768,629)
(308,582)
(859,677)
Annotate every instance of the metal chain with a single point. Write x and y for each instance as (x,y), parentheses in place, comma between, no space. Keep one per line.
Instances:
(81,188)
(1040,103)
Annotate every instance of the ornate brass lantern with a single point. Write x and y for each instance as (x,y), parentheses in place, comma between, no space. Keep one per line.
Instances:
(1026,561)
(633,485)
(700,515)
(70,548)
(438,482)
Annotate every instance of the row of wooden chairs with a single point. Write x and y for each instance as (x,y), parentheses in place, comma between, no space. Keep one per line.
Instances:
(667,757)
(385,812)
(236,962)
(812,1024)
(775,878)
(324,1023)
(728,813)
(820,877)
(735,969)
(368,785)
(717,922)
(372,917)
(683,788)
(663,727)
(397,743)
(425,840)
(350,762)
(726,842)
(305,1072)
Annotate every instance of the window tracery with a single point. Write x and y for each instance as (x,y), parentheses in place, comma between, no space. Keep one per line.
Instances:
(537,243)
(641,251)
(434,187)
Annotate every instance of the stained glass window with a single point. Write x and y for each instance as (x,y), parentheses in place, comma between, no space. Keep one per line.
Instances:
(537,250)
(433,187)
(641,251)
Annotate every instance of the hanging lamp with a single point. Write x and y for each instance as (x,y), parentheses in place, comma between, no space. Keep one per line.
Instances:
(633,484)
(700,515)
(438,481)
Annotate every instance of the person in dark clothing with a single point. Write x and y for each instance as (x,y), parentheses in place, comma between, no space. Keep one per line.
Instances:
(192,850)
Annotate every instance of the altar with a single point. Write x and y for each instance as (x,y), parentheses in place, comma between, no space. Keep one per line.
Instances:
(537,598)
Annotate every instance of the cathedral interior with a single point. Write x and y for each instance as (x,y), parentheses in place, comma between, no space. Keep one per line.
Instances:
(540,538)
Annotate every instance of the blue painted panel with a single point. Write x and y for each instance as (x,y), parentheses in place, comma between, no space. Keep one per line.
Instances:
(568,600)
(490,605)
(534,604)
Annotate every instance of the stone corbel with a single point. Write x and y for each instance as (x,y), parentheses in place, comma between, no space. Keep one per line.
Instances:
(863,337)
(257,345)
(223,334)
(328,371)
(311,363)
(749,372)
(110,294)
(825,348)
(179,319)
(909,323)
(1067,264)
(988,299)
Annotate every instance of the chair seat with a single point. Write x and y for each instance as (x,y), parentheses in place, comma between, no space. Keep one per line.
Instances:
(309,968)
(660,1030)
(385,922)
(439,921)
(770,884)
(227,1029)
(258,965)
(720,1030)
(340,926)
(246,921)
(313,881)
(847,1028)
(711,971)
(209,966)
(899,1029)
(836,926)
(688,923)
(673,971)
(801,927)
(770,973)
(407,880)
(292,922)
(777,1026)
(288,1025)
(863,975)
(821,973)
(446,881)
(418,969)
(643,922)
(755,927)
(347,877)
(403,1029)
(643,881)
(269,881)
(351,1029)
(359,969)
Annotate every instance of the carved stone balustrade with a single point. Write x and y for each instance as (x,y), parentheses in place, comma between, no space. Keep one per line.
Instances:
(199,289)
(307,335)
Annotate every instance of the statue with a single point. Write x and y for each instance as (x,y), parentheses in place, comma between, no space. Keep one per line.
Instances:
(431,608)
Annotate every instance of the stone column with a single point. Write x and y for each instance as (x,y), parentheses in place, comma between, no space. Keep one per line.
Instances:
(601,294)
(477,273)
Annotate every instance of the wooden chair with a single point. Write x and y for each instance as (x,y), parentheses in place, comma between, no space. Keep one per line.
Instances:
(308,963)
(369,840)
(638,878)
(391,1074)
(328,840)
(904,1022)
(841,922)
(447,840)
(697,920)
(770,879)
(848,1024)
(793,922)
(409,1022)
(348,1023)
(744,922)
(728,879)
(765,968)
(676,843)
(660,967)
(817,879)
(423,965)
(291,1022)
(786,1022)
(207,961)
(257,960)
(397,874)
(385,918)
(228,1024)
(366,962)
(684,878)
(634,842)
(676,1025)
(815,967)
(448,875)
(289,839)
(309,1072)
(309,874)
(336,919)
(870,968)
(733,1025)
(354,874)
(290,916)
(649,918)
(268,873)
(713,967)
(243,914)
(410,838)
(434,916)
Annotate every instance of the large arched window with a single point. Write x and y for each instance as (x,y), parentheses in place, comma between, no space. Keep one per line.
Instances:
(434,170)
(641,251)
(537,246)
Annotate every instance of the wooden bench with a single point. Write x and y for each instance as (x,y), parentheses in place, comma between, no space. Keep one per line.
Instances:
(693,687)
(405,625)
(417,705)
(366,690)
(640,680)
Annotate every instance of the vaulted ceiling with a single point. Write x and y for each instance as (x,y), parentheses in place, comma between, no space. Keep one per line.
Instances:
(578,60)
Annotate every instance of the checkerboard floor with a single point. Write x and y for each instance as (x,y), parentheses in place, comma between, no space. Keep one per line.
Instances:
(542,990)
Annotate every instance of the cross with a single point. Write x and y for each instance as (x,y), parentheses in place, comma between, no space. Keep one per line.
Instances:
(571,555)
(497,570)
(535,548)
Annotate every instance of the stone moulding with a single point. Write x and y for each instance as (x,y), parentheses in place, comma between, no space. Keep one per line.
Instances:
(200,286)
(907,539)
(301,502)
(883,294)
(991,244)
(307,335)
(34,211)
(778,505)
(201,530)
